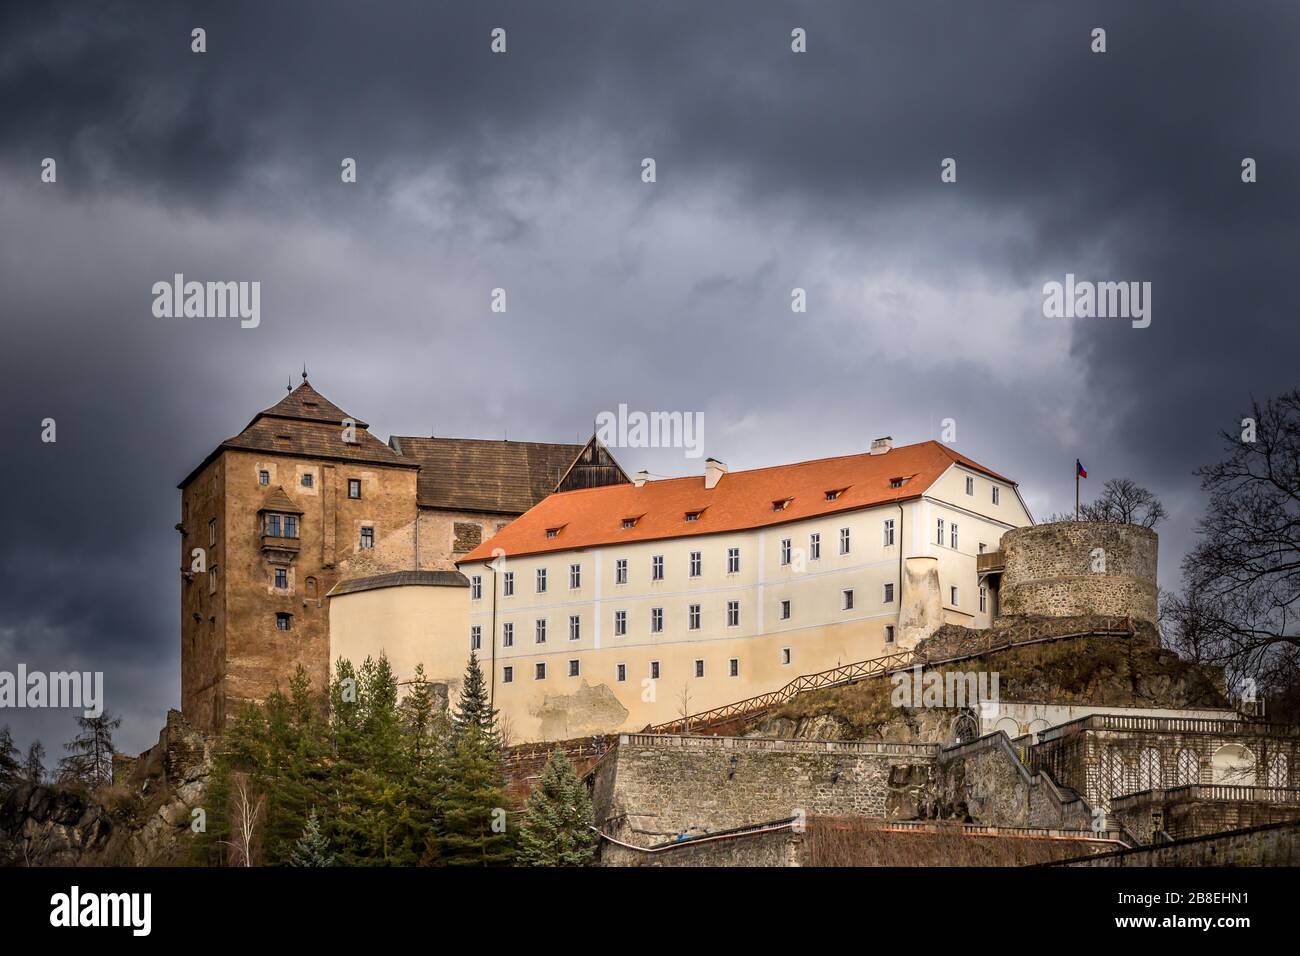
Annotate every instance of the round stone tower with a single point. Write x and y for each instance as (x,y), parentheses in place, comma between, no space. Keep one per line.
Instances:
(1079,567)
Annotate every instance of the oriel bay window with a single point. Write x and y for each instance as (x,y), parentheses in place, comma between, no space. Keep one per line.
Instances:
(280,525)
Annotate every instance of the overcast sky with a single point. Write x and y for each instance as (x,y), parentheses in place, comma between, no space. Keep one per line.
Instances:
(522,171)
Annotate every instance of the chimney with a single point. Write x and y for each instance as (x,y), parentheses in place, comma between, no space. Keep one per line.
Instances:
(641,478)
(713,472)
(881,445)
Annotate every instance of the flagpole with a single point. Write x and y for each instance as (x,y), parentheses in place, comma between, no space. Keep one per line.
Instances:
(1076,491)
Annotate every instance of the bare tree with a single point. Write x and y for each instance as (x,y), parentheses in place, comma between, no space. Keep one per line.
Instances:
(34,763)
(1242,580)
(684,709)
(90,753)
(1125,502)
(245,815)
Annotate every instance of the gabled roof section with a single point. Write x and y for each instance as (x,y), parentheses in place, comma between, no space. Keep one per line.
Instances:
(306,404)
(305,424)
(279,500)
(740,501)
(479,474)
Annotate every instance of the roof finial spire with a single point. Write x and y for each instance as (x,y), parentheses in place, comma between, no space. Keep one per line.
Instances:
(289,387)
(304,371)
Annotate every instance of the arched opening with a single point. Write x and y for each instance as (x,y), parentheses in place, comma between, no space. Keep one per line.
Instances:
(1234,765)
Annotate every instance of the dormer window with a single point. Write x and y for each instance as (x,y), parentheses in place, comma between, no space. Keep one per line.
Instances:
(833,494)
(630,522)
(693,515)
(897,482)
(781,504)
(552,532)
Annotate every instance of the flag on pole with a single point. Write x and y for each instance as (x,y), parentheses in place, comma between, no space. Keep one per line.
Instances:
(1079,470)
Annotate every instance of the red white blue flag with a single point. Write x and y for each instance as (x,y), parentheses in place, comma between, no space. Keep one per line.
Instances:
(1079,470)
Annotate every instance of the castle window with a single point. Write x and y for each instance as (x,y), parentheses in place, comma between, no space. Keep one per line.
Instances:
(212,532)
(1276,774)
(846,602)
(785,610)
(541,580)
(354,488)
(620,623)
(291,526)
(508,584)
(575,576)
(693,617)
(938,536)
(620,571)
(733,560)
(889,592)
(273,525)
(984,598)
(283,621)
(1189,768)
(507,634)
(785,551)
(507,675)
(575,627)
(995,494)
(620,672)
(654,670)
(656,620)
(657,568)
(734,665)
(785,655)
(970,485)
(307,479)
(699,668)
(695,564)
(539,671)
(953,593)
(367,538)
(476,587)
(539,631)
(574,668)
(212,581)
(953,536)
(889,633)
(263,477)
(846,544)
(281,577)
(889,532)
(733,614)
(815,546)
(476,638)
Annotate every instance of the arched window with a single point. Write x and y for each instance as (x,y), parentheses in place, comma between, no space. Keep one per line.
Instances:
(1112,774)
(1277,771)
(1149,769)
(1189,767)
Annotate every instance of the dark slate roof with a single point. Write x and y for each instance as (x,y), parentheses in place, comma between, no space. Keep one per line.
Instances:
(278,500)
(306,424)
(396,579)
(481,474)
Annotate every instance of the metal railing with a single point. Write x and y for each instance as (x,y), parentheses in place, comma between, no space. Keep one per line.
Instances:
(1033,632)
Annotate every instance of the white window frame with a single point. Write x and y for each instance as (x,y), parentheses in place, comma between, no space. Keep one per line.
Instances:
(696,564)
(657,567)
(846,541)
(733,614)
(889,532)
(693,617)
(815,546)
(575,577)
(476,587)
(620,570)
(733,560)
(656,620)
(846,599)
(539,630)
(785,552)
(575,627)
(620,623)
(508,634)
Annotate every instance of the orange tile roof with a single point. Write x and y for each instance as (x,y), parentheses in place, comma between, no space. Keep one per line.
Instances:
(741,500)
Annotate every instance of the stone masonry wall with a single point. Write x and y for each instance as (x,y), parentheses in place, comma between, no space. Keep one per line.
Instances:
(1051,569)
(653,788)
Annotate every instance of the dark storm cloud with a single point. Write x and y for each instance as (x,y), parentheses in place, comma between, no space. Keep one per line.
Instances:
(522,171)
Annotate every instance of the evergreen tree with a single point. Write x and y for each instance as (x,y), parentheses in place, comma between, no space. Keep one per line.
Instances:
(474,828)
(556,829)
(34,763)
(312,848)
(90,753)
(11,769)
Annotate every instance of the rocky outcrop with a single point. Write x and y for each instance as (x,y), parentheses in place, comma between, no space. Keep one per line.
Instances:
(143,819)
